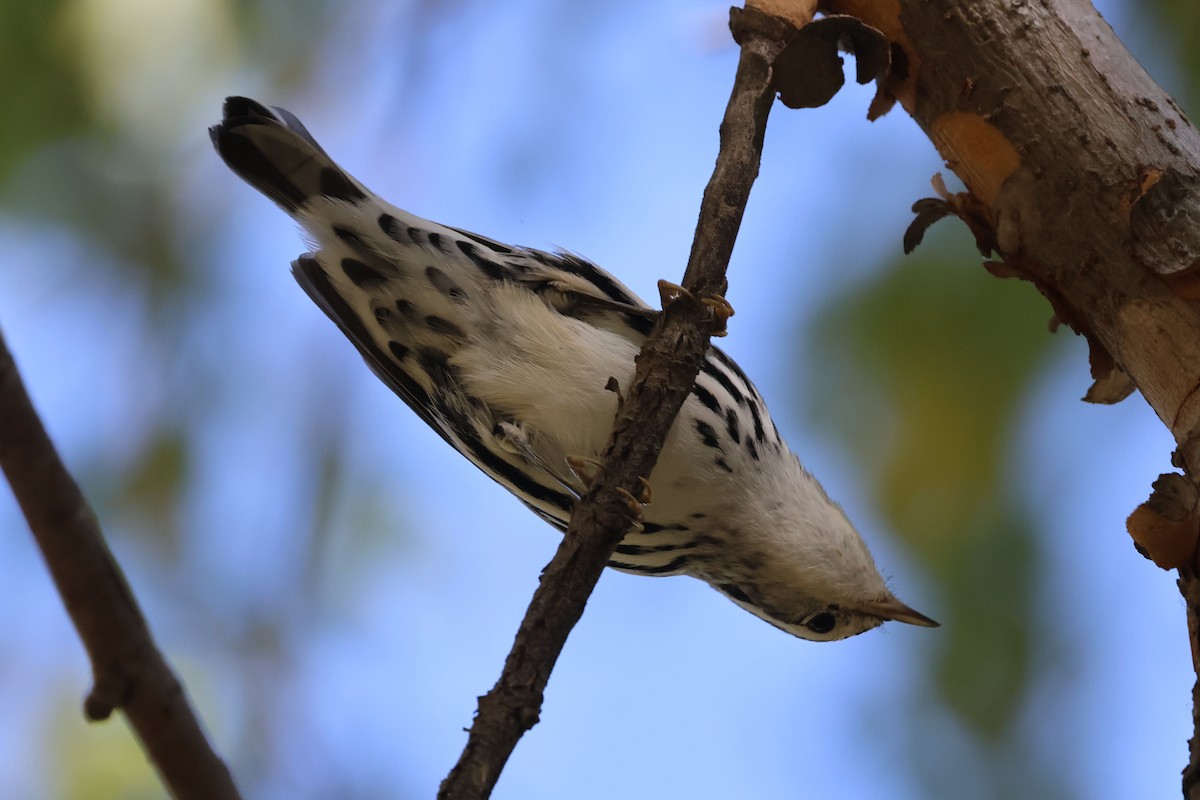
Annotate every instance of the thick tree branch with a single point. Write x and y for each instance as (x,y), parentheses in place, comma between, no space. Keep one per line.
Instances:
(1084,176)
(666,369)
(129,672)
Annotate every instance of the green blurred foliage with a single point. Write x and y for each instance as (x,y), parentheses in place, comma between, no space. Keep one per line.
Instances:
(925,369)
(47,102)
(112,196)
(151,488)
(85,158)
(1178,23)
(97,762)
(931,360)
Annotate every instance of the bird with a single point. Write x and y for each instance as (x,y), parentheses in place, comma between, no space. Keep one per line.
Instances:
(509,354)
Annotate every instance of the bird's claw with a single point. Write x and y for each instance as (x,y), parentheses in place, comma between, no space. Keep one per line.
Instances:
(634,506)
(638,501)
(669,292)
(718,307)
(585,468)
(721,311)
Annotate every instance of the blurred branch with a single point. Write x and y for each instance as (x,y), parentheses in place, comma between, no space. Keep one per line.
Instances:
(666,369)
(128,671)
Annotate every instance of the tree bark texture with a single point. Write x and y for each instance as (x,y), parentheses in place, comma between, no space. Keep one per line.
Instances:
(1082,175)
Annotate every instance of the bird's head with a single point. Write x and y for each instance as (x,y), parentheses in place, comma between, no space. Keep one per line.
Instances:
(800,565)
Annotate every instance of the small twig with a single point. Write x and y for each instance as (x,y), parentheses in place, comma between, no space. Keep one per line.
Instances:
(128,671)
(666,369)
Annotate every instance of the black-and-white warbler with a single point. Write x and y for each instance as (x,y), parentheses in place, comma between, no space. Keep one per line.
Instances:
(506,353)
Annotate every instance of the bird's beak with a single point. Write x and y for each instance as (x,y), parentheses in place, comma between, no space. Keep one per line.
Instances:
(890,609)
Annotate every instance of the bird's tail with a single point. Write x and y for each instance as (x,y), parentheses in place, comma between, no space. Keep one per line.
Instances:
(272,151)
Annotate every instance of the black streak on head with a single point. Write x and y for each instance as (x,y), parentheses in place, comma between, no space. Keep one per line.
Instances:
(405,308)
(384,317)
(435,239)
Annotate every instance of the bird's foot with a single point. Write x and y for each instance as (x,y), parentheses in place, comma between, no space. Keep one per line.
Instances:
(585,468)
(719,309)
(633,505)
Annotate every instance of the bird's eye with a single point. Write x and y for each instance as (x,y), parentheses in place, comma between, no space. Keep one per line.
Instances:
(823,622)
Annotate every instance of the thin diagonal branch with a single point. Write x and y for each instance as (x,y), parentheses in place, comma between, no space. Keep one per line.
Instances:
(666,369)
(129,672)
